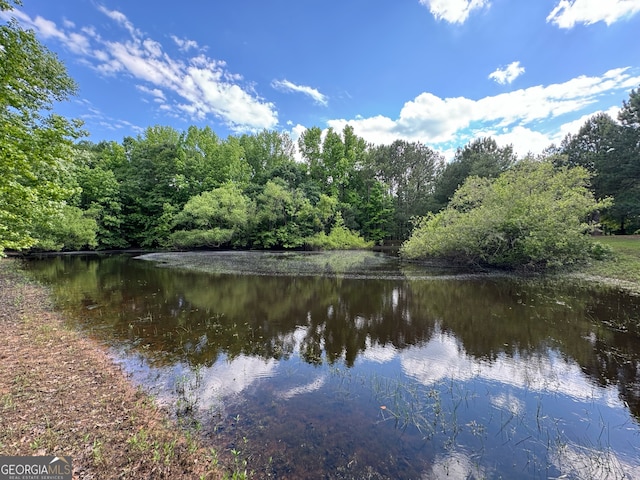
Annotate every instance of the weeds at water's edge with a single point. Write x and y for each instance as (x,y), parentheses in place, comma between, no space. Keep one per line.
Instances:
(440,414)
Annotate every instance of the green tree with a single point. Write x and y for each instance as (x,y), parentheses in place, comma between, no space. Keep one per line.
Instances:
(626,209)
(310,147)
(69,228)
(284,216)
(100,195)
(410,170)
(212,219)
(207,162)
(611,151)
(339,238)
(271,154)
(35,144)
(533,216)
(153,185)
(377,212)
(481,157)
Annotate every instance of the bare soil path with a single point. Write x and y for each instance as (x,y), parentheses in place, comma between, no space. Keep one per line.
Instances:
(60,394)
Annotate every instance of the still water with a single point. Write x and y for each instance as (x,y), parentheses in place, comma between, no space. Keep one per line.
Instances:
(355,365)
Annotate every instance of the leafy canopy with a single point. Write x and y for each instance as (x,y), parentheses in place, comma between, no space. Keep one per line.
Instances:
(212,218)
(532,216)
(35,145)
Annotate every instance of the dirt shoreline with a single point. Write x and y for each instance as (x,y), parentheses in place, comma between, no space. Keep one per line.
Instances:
(61,394)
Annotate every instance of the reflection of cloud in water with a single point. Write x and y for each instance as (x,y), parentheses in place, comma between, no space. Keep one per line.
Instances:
(595,464)
(317,384)
(228,377)
(444,357)
(455,464)
(378,353)
(508,402)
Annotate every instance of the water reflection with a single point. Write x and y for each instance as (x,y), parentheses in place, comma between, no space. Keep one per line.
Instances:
(478,376)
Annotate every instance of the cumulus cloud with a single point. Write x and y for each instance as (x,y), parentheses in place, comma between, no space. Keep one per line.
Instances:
(507,74)
(524,140)
(287,86)
(453,11)
(575,125)
(567,14)
(198,86)
(511,115)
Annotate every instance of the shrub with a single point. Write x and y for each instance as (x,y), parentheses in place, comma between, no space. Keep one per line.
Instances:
(340,238)
(532,216)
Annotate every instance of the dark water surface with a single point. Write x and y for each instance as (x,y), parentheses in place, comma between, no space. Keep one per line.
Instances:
(353,365)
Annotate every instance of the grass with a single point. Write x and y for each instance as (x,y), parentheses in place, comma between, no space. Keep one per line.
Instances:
(624,263)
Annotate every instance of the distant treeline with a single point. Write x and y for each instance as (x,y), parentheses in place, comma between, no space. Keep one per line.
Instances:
(172,189)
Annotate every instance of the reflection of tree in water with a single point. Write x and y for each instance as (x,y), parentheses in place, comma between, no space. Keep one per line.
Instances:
(180,315)
(615,354)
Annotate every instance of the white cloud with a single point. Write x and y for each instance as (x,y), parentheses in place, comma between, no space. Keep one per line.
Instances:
(510,116)
(574,126)
(155,92)
(203,85)
(76,42)
(568,13)
(455,464)
(524,140)
(453,11)
(287,86)
(184,43)
(507,74)
(310,387)
(122,19)
(578,461)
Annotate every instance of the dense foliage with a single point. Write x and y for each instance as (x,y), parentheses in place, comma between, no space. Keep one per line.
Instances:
(190,189)
(533,215)
(35,145)
(611,151)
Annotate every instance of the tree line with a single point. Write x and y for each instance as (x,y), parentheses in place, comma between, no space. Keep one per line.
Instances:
(187,189)
(172,189)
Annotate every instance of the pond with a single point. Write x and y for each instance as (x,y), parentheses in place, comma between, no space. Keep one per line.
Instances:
(356,365)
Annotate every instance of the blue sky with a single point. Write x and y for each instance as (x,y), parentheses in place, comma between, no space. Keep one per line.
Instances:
(441,72)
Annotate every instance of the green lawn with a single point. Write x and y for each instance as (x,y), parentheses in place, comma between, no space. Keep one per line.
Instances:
(625,262)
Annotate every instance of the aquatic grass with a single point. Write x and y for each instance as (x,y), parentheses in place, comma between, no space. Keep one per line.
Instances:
(440,413)
(352,263)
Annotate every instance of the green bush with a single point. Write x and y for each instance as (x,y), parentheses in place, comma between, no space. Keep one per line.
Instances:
(70,229)
(532,216)
(340,238)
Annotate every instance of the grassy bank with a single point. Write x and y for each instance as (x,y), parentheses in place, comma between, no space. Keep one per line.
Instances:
(623,265)
(60,394)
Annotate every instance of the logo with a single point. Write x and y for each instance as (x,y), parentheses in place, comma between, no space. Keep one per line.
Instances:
(35,468)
